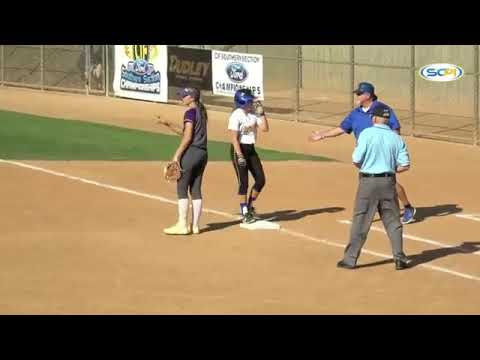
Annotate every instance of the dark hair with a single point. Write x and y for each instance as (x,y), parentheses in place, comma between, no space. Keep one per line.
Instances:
(201,111)
(374,97)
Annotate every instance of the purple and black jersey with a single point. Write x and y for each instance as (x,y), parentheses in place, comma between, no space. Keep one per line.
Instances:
(199,127)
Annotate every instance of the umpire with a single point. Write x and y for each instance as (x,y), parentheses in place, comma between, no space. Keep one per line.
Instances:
(379,154)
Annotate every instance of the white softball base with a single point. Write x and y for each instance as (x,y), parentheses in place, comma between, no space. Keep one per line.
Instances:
(261,225)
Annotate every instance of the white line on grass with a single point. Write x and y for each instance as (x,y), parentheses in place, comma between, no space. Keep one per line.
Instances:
(227,215)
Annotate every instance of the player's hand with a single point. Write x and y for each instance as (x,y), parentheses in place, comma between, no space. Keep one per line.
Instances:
(258,108)
(316,136)
(241,160)
(162,122)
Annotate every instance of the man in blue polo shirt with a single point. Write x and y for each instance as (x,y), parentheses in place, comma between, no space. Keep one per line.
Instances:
(380,154)
(360,119)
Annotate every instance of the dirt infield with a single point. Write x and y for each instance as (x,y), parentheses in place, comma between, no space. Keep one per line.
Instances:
(71,246)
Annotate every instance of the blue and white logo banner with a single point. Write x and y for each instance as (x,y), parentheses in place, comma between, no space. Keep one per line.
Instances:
(232,71)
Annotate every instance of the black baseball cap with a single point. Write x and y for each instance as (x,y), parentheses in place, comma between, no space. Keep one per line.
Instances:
(365,87)
(381,111)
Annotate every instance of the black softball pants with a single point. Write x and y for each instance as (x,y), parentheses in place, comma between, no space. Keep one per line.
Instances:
(254,165)
(193,163)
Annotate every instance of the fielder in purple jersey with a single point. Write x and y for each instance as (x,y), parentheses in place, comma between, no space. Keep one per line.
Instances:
(192,155)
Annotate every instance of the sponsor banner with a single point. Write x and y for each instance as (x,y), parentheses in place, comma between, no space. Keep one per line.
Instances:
(233,71)
(141,72)
(190,68)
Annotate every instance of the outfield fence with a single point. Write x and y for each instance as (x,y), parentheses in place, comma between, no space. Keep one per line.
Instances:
(303,83)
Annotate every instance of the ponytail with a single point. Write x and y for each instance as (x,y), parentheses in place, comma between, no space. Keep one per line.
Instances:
(201,111)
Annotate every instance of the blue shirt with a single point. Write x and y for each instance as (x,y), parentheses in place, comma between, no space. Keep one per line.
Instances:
(380,150)
(359,120)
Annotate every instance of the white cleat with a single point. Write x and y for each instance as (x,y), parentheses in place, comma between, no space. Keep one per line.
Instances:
(195,230)
(177,229)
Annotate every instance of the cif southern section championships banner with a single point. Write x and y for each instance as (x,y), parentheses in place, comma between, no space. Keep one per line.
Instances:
(141,72)
(232,71)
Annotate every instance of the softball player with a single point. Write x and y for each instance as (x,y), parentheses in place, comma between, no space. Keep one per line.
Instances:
(243,125)
(193,157)
(358,120)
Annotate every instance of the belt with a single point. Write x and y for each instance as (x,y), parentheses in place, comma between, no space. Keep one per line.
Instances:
(377,175)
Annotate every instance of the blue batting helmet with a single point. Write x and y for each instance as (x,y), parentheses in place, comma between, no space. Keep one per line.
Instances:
(243,97)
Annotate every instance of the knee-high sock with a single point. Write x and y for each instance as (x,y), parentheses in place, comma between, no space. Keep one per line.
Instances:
(197,211)
(182,211)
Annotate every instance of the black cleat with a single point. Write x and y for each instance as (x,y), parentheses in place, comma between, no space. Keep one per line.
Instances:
(248,218)
(401,264)
(254,214)
(344,265)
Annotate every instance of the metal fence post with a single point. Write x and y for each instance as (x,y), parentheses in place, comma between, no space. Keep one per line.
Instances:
(107,73)
(301,67)
(87,69)
(412,87)
(104,69)
(352,76)
(2,54)
(475,94)
(42,77)
(298,83)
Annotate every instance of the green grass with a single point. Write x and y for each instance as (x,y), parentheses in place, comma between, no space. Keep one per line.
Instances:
(30,137)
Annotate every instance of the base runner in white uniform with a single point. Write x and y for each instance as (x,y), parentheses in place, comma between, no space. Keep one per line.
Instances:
(243,125)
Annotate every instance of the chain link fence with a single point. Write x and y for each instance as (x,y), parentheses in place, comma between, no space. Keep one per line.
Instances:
(304,83)
(72,68)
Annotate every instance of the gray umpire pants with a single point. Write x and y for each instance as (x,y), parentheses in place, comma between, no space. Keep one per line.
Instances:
(375,194)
